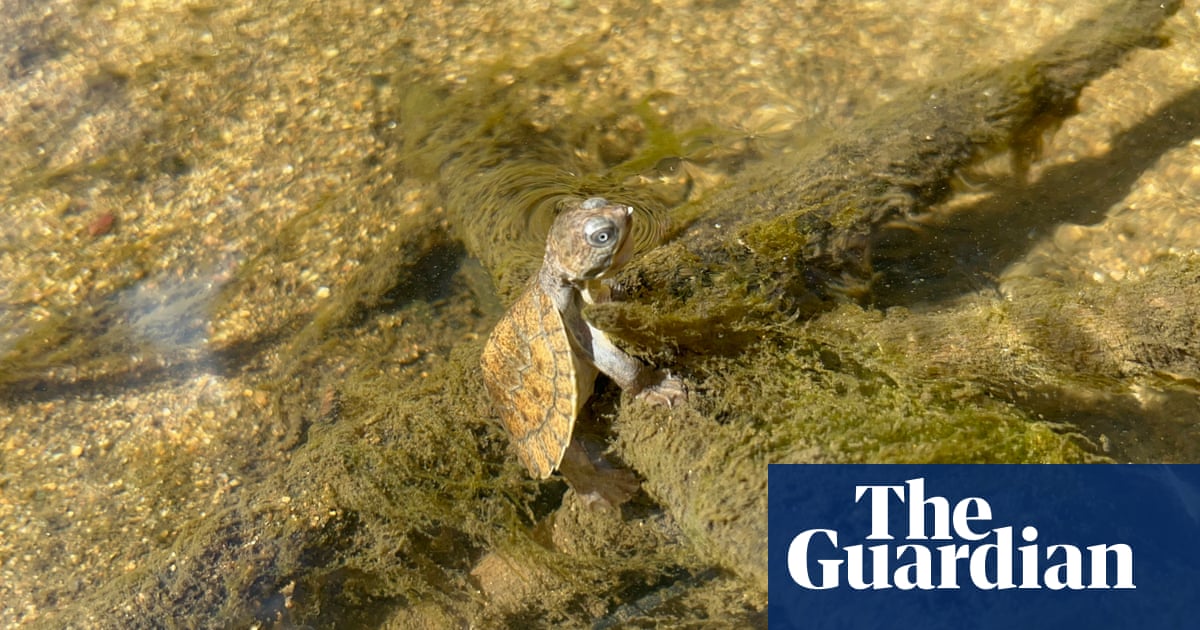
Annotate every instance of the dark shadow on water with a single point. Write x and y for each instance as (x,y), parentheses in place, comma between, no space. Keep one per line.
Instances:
(233,358)
(431,279)
(933,265)
(967,250)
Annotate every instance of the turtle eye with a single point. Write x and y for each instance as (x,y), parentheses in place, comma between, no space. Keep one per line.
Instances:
(599,232)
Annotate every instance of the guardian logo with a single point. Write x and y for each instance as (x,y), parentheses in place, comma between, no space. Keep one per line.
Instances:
(984,557)
(985,546)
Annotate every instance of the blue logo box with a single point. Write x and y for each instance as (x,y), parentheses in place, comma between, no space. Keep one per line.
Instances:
(984,546)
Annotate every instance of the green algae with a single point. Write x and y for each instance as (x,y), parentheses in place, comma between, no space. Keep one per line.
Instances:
(817,395)
(386,506)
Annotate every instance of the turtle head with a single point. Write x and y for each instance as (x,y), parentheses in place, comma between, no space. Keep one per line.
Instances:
(589,239)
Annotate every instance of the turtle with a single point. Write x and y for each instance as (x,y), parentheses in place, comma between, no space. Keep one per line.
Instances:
(541,360)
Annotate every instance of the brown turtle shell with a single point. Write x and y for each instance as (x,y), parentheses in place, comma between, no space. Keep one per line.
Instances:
(536,379)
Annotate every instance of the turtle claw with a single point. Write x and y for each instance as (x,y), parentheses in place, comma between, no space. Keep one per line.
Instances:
(668,392)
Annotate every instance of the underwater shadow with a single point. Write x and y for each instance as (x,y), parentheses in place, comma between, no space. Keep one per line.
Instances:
(219,361)
(430,279)
(970,248)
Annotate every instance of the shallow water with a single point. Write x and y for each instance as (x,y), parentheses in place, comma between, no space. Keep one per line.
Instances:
(238,324)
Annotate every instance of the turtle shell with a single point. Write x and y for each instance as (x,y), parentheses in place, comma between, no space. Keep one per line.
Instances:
(536,379)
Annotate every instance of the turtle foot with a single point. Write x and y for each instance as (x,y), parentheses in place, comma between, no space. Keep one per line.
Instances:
(668,392)
(597,483)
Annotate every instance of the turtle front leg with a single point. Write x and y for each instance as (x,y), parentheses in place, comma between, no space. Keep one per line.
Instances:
(665,391)
(653,386)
